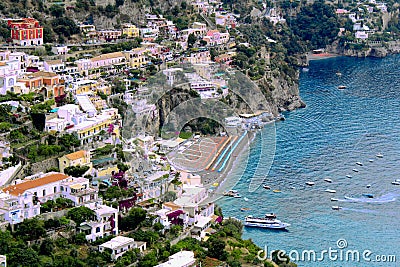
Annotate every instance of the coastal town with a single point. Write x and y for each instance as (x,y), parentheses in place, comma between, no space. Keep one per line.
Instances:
(95,167)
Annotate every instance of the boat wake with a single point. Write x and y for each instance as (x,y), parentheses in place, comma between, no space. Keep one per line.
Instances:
(359,210)
(390,197)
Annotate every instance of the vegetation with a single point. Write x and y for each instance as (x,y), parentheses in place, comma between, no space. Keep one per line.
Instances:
(76,171)
(80,214)
(316,24)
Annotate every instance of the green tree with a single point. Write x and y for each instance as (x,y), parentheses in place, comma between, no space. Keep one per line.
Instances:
(57,11)
(133,219)
(69,141)
(80,214)
(76,171)
(191,40)
(216,248)
(158,226)
(23,257)
(30,229)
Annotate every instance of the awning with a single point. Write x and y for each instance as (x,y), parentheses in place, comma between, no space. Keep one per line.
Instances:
(85,227)
(76,186)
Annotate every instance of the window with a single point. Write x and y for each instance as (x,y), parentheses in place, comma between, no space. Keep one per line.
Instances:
(97,229)
(62,188)
(44,192)
(55,189)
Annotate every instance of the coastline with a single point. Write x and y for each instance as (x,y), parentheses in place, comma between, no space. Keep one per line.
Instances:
(210,178)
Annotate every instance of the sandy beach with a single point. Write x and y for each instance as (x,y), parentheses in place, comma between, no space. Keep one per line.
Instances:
(211,177)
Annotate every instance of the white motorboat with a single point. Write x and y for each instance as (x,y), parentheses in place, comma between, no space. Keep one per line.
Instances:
(246,199)
(368,185)
(336,207)
(379,155)
(395,183)
(330,191)
(328,180)
(359,163)
(371,160)
(355,170)
(269,221)
(310,183)
(334,199)
(349,176)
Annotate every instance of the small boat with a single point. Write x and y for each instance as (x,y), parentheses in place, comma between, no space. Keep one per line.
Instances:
(310,183)
(341,87)
(244,209)
(338,73)
(266,187)
(368,195)
(371,160)
(355,170)
(334,199)
(359,163)
(328,180)
(276,191)
(246,199)
(305,69)
(237,196)
(330,191)
(379,155)
(395,183)
(368,185)
(336,207)
(349,176)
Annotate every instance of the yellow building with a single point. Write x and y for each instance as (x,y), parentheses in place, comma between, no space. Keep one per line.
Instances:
(81,158)
(137,57)
(130,30)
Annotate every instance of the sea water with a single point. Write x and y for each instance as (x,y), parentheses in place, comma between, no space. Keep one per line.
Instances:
(325,140)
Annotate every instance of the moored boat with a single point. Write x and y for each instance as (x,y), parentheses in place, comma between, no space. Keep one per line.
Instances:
(355,170)
(379,155)
(359,163)
(330,191)
(266,187)
(395,183)
(328,180)
(276,191)
(349,176)
(341,87)
(336,207)
(368,195)
(310,183)
(334,199)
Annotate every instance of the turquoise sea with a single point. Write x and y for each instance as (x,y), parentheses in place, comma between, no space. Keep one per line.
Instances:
(325,140)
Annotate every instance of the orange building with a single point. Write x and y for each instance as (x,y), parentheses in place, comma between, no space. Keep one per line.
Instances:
(26,31)
(47,83)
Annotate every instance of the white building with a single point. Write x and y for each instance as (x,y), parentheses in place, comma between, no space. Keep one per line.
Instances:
(105,224)
(3,261)
(180,259)
(56,66)
(120,244)
(60,50)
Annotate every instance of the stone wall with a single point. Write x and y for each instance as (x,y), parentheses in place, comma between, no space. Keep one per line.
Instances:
(44,165)
(52,215)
